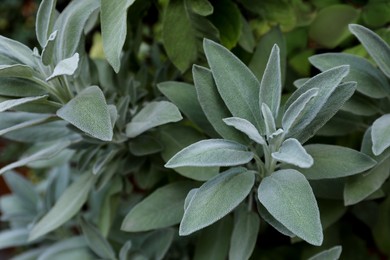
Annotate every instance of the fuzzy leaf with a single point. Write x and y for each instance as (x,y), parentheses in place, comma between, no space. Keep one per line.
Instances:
(269,120)
(331,161)
(162,208)
(212,152)
(44,23)
(375,46)
(236,84)
(272,221)
(5,105)
(330,254)
(68,205)
(292,152)
(13,238)
(152,115)
(216,198)
(48,49)
(288,197)
(65,67)
(246,127)
(17,71)
(88,111)
(15,52)
(380,134)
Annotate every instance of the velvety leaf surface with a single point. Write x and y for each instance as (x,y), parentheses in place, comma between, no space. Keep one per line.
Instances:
(292,152)
(5,105)
(288,197)
(212,152)
(330,254)
(88,111)
(13,238)
(48,49)
(380,134)
(16,52)
(216,198)
(269,120)
(17,71)
(66,67)
(45,20)
(266,216)
(246,127)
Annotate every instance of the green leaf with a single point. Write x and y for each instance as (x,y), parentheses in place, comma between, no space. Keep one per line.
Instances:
(45,19)
(216,198)
(330,254)
(157,243)
(331,161)
(88,111)
(271,83)
(96,241)
(247,40)
(329,28)
(68,205)
(244,236)
(381,226)
(212,152)
(144,145)
(227,18)
(294,112)
(292,152)
(19,87)
(236,84)
(15,52)
(212,104)
(288,197)
(8,104)
(123,253)
(371,82)
(70,248)
(380,134)
(375,46)
(202,7)
(162,208)
(272,221)
(246,127)
(183,95)
(17,71)
(65,67)
(113,17)
(359,187)
(48,49)
(152,115)
(13,238)
(269,120)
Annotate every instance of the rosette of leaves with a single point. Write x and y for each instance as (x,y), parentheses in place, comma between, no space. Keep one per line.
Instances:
(258,142)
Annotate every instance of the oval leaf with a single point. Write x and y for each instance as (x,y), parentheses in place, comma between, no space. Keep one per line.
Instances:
(246,127)
(216,198)
(65,67)
(292,152)
(330,254)
(380,134)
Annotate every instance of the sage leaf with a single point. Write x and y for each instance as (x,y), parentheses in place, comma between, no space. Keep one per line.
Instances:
(113,17)
(294,112)
(189,197)
(68,205)
(123,253)
(375,46)
(96,241)
(162,208)
(17,71)
(45,19)
(202,7)
(271,83)
(75,246)
(246,127)
(247,40)
(269,120)
(380,134)
(216,198)
(244,236)
(65,67)
(19,87)
(328,165)
(288,197)
(13,121)
(8,104)
(13,238)
(272,221)
(157,243)
(292,152)
(212,152)
(152,115)
(144,145)
(230,76)
(16,52)
(48,49)
(88,111)
(212,104)
(330,254)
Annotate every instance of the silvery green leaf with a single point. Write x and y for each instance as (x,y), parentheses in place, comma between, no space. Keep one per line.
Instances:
(244,236)
(380,134)
(19,87)
(330,254)
(177,137)
(152,115)
(272,221)
(103,160)
(48,49)
(16,70)
(247,40)
(15,52)
(31,254)
(157,243)
(123,253)
(13,238)
(212,104)
(331,161)
(113,114)
(361,106)
(288,197)
(113,17)
(68,205)
(189,197)
(144,145)
(162,208)
(212,152)
(183,95)
(271,83)
(88,111)
(45,19)
(216,198)
(294,112)
(375,46)
(96,241)
(236,84)
(45,153)
(246,127)
(62,247)
(292,152)
(12,121)
(359,187)
(65,67)
(5,105)
(370,81)
(269,120)
(202,7)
